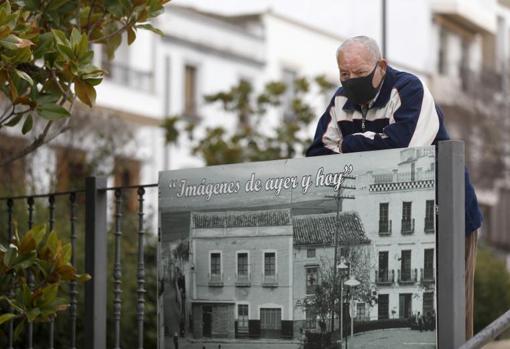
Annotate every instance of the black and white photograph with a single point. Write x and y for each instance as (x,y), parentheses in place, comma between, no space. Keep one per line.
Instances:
(323,252)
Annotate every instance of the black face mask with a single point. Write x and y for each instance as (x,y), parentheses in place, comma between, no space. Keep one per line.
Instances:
(360,90)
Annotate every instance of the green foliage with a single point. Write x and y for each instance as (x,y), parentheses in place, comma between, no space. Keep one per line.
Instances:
(249,141)
(47,57)
(33,271)
(492,282)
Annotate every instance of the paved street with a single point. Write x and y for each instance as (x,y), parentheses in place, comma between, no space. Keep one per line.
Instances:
(380,339)
(398,338)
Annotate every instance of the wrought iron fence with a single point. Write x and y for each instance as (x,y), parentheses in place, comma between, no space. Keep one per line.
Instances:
(94,201)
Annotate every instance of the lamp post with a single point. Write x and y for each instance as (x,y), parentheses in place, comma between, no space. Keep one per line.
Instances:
(352,282)
(341,267)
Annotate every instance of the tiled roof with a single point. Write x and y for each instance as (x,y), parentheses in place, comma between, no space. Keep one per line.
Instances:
(237,219)
(319,229)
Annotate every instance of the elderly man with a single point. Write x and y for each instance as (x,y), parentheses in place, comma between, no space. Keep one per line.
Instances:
(378,107)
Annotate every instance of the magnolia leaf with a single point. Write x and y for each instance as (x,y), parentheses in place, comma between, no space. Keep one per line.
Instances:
(148,26)
(85,92)
(6,317)
(131,34)
(27,125)
(52,112)
(15,120)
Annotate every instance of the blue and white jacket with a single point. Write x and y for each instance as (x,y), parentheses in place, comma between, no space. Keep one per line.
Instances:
(403,114)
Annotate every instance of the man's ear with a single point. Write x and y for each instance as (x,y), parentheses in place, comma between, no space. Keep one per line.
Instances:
(383,63)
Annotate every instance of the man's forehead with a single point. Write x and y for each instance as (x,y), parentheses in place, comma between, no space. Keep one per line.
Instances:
(354,56)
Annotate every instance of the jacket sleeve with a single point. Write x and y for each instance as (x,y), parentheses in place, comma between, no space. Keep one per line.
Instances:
(327,137)
(414,122)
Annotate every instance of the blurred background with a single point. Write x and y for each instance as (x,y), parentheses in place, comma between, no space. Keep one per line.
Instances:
(232,81)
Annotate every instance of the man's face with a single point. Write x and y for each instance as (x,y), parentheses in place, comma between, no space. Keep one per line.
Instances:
(356,61)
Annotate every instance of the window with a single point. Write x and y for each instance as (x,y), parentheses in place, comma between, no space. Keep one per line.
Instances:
(242,264)
(311,279)
(442,61)
(311,319)
(310,253)
(405,265)
(413,172)
(428,271)
(428,302)
(127,172)
(405,305)
(269,263)
(289,77)
(71,169)
(429,216)
(383,217)
(383,306)
(190,90)
(270,319)
(361,311)
(242,318)
(216,263)
(383,267)
(12,177)
(406,211)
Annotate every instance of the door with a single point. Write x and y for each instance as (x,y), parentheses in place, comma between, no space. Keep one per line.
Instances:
(206,320)
(405,309)
(270,322)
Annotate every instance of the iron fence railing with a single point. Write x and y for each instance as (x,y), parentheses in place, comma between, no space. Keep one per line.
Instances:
(94,200)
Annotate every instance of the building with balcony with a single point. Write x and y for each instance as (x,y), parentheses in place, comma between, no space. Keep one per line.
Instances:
(399,220)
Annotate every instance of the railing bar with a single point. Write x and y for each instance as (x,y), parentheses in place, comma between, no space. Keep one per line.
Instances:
(60,193)
(73,293)
(51,221)
(30,328)
(153,185)
(10,203)
(117,269)
(489,333)
(141,269)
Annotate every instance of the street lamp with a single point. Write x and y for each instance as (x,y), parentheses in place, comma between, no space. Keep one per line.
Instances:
(341,267)
(352,282)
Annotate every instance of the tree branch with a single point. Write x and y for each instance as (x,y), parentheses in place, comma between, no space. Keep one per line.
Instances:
(111,35)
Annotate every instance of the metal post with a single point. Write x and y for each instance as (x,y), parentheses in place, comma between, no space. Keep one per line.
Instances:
(383,29)
(450,191)
(51,224)
(140,275)
(95,263)
(73,291)
(341,309)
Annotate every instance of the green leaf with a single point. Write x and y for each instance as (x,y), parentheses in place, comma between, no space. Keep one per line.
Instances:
(52,112)
(15,120)
(33,314)
(85,92)
(52,241)
(6,317)
(150,27)
(75,38)
(131,34)
(60,37)
(24,261)
(24,76)
(10,255)
(27,125)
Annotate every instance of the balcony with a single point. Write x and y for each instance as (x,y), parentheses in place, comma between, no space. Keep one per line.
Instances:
(243,280)
(427,276)
(407,226)
(475,15)
(215,280)
(270,280)
(407,276)
(128,76)
(385,228)
(384,277)
(429,225)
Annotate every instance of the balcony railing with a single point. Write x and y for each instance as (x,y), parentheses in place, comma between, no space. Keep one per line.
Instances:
(427,276)
(385,228)
(407,276)
(384,277)
(270,280)
(429,225)
(130,77)
(243,280)
(215,280)
(407,226)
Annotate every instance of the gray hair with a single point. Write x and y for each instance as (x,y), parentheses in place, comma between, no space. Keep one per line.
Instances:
(369,43)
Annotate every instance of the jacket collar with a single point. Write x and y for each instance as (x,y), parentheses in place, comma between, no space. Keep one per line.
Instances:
(383,95)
